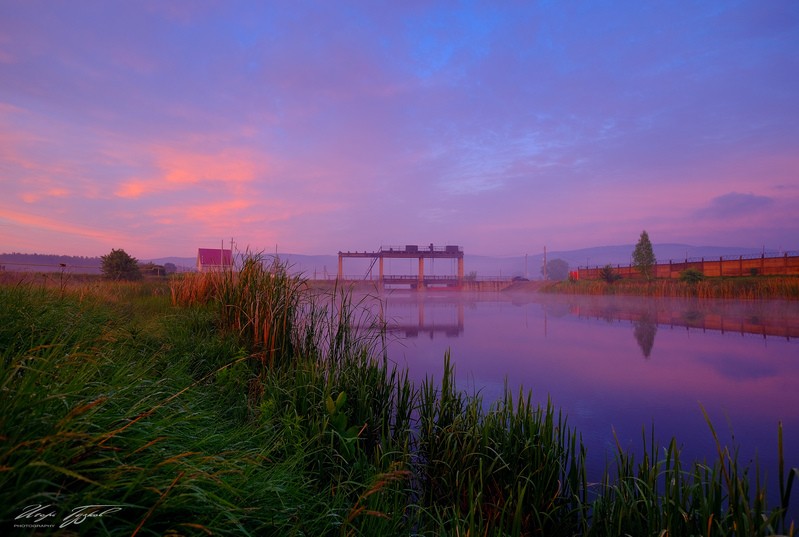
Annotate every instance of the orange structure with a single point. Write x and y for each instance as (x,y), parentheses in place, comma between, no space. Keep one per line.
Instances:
(778,265)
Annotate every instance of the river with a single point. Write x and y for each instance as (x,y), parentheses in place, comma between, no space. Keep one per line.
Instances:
(617,366)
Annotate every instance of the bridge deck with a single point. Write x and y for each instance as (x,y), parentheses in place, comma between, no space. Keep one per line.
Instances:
(410,252)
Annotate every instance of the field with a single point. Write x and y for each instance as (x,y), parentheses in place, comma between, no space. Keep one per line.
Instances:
(249,404)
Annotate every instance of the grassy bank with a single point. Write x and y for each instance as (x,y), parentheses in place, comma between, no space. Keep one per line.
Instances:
(745,288)
(248,405)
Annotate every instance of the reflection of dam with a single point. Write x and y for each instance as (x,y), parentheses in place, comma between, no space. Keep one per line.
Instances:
(414,317)
(757,319)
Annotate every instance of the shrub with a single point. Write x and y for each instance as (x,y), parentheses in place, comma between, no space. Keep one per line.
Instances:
(119,265)
(691,275)
(608,274)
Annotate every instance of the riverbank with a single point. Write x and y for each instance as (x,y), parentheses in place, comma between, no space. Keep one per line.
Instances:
(250,405)
(742,288)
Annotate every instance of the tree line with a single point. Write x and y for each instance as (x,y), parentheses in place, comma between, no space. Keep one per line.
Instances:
(116,265)
(17,258)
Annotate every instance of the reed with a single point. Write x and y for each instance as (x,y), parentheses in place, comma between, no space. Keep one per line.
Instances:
(170,407)
(95,414)
(659,496)
(514,470)
(748,288)
(257,302)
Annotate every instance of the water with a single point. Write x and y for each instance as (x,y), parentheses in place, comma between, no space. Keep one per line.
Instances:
(616,366)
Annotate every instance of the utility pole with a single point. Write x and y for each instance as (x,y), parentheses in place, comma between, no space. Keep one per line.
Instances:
(546,276)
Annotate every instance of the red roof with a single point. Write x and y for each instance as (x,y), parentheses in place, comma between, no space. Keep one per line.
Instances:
(213,256)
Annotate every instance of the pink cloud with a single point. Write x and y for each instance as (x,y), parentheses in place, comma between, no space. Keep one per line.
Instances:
(217,211)
(60,226)
(33,197)
(230,167)
(182,170)
(135,189)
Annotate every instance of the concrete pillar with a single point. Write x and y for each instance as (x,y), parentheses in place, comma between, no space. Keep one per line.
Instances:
(460,270)
(421,273)
(380,270)
(340,266)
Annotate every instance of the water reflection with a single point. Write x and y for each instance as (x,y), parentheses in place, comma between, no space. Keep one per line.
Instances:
(414,313)
(619,365)
(645,330)
(764,318)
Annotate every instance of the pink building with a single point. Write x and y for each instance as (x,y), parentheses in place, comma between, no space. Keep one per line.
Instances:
(213,259)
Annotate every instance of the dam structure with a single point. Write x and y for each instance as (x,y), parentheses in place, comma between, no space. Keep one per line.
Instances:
(418,281)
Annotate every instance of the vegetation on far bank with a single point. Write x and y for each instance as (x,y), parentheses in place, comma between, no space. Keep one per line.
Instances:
(247,404)
(745,287)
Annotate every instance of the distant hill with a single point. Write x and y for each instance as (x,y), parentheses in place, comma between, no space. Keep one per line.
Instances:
(50,263)
(326,266)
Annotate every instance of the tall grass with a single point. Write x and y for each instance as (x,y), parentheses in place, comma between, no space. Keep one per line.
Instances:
(660,496)
(92,414)
(245,404)
(515,470)
(259,302)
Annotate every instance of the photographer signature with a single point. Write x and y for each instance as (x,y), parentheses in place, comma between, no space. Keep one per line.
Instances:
(39,514)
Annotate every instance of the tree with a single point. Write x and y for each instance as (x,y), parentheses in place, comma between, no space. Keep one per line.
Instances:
(608,274)
(118,265)
(557,270)
(644,257)
(170,268)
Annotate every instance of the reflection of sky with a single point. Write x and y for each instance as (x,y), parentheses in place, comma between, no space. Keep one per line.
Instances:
(594,369)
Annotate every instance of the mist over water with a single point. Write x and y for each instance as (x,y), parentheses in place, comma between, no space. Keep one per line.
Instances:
(619,365)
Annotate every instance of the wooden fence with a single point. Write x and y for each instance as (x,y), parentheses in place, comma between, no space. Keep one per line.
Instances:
(784,265)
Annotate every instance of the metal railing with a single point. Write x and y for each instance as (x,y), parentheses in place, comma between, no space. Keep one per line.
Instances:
(414,248)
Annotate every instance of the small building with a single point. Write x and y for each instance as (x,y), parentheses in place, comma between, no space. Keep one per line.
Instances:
(214,259)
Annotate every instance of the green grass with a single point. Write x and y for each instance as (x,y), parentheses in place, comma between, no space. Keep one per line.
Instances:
(245,404)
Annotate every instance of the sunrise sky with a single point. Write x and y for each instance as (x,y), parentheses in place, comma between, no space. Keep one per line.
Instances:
(163,126)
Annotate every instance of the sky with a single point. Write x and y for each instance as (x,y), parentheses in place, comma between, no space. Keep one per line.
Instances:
(316,127)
